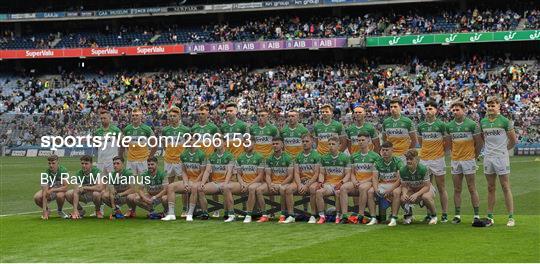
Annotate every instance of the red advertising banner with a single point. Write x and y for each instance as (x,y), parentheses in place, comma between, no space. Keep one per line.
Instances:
(91,52)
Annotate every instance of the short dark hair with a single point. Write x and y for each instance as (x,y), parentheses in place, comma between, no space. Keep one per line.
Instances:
(277,139)
(231,104)
(387,144)
(118,158)
(431,102)
(86,158)
(363,134)
(152,159)
(459,104)
(395,100)
(307,135)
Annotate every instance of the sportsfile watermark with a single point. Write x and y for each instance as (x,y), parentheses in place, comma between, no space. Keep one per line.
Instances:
(185,140)
(93,179)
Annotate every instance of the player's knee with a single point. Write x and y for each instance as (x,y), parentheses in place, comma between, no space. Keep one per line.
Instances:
(427,197)
(396,191)
(371,191)
(60,195)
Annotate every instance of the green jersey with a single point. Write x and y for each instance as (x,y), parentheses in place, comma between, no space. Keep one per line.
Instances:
(89,178)
(120,180)
(387,170)
(205,131)
(106,155)
(174,147)
(262,137)
(279,166)
(194,162)
(363,164)
(292,138)
(323,132)
(352,132)
(414,179)
(154,183)
(248,164)
(239,128)
(54,179)
(334,167)
(495,135)
(138,135)
(307,164)
(397,132)
(432,135)
(219,163)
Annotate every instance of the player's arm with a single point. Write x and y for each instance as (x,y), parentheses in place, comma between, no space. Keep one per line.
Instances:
(44,193)
(153,149)
(290,174)
(316,173)
(396,184)
(425,188)
(512,139)
(419,140)
(478,144)
(353,178)
(228,172)
(184,174)
(376,144)
(260,175)
(414,139)
(206,174)
(405,192)
(62,188)
(268,178)
(346,177)
(375,180)
(447,142)
(131,189)
(296,173)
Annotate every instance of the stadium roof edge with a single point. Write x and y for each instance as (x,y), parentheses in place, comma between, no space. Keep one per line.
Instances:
(195,10)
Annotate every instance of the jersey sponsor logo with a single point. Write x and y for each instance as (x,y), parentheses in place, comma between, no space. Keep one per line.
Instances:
(306,167)
(326,136)
(387,176)
(363,166)
(413,183)
(263,139)
(192,166)
(219,167)
(431,135)
(493,132)
(279,171)
(461,135)
(397,132)
(292,141)
(335,170)
(248,168)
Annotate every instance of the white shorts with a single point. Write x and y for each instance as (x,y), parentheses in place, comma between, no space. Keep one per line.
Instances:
(463,166)
(137,167)
(105,167)
(383,187)
(173,169)
(499,165)
(329,188)
(437,166)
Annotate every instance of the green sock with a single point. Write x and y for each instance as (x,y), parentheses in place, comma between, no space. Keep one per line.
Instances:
(490,215)
(248,213)
(458,210)
(433,215)
(511,215)
(444,215)
(344,216)
(394,217)
(476,210)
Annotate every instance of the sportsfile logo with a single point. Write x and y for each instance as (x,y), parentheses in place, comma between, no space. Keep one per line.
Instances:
(111,140)
(93,179)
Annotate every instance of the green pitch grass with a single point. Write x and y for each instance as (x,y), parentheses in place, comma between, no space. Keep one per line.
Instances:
(26,238)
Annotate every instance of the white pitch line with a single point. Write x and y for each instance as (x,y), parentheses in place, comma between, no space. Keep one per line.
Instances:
(33,212)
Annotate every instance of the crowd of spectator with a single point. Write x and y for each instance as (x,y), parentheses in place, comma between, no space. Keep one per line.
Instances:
(290,27)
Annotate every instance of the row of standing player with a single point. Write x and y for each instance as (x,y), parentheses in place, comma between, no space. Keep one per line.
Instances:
(462,137)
